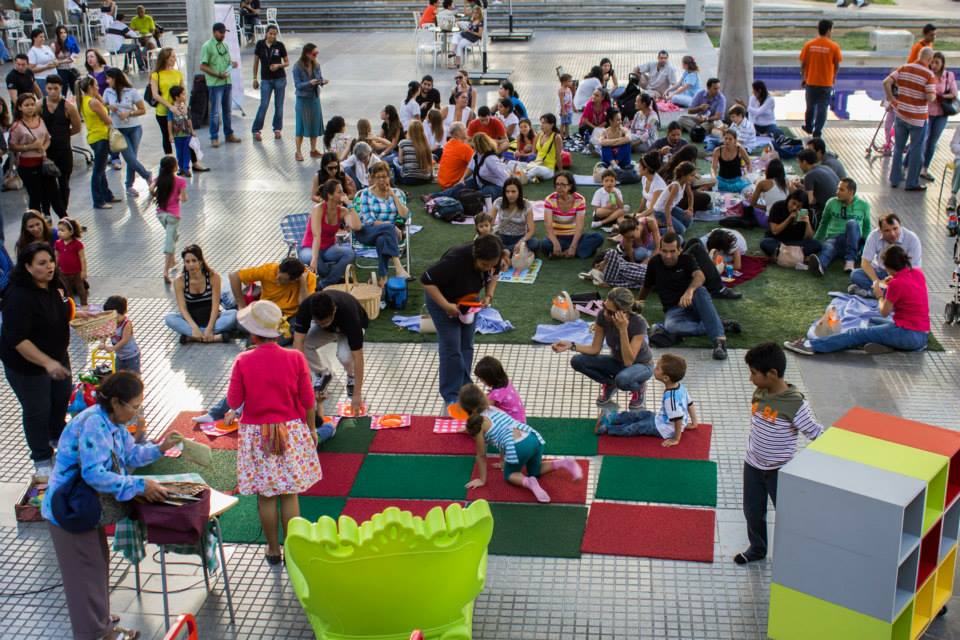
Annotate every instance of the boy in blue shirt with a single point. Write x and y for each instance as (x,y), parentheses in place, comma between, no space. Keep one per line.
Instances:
(676,413)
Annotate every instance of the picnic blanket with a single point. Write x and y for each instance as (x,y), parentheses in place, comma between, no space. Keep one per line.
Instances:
(487,321)
(665,106)
(537,213)
(371,252)
(527,276)
(853,312)
(576,331)
(750,268)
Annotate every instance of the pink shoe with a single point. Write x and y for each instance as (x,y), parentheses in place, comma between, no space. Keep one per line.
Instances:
(533,485)
(570,466)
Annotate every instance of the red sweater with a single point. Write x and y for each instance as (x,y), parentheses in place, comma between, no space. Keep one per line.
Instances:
(272,383)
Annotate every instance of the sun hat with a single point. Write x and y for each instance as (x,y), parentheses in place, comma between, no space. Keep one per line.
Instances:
(262,318)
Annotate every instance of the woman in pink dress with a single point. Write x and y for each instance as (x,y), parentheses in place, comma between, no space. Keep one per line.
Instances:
(277,452)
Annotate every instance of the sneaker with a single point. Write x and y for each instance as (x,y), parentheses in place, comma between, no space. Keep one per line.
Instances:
(848,266)
(44,468)
(606,392)
(596,224)
(854,290)
(727,294)
(661,339)
(116,164)
(604,422)
(215,143)
(720,350)
(320,382)
(204,419)
(636,400)
(814,266)
(875,348)
(801,346)
(732,326)
(351,384)
(133,193)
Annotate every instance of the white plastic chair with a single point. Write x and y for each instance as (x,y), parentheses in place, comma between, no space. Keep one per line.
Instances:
(20,39)
(97,22)
(38,21)
(426,42)
(58,17)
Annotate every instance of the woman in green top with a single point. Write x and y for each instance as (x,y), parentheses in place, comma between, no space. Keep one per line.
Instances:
(98,122)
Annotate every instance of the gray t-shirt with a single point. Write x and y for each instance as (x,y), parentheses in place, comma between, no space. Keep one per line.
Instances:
(823,182)
(832,161)
(636,326)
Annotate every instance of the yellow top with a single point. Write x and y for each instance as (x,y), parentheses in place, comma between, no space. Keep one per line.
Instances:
(97,129)
(546,151)
(166,79)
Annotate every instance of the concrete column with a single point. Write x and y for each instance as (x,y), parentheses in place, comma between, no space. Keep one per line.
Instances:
(199,29)
(736,50)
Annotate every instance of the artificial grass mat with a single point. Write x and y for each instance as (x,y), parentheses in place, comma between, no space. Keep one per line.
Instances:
(242,523)
(221,474)
(778,305)
(354,435)
(567,436)
(657,480)
(549,531)
(411,476)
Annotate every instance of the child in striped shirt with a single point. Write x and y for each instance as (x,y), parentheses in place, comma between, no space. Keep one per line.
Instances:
(778,414)
(519,444)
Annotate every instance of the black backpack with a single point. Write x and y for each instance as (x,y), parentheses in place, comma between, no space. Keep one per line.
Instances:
(446,209)
(471,200)
(200,102)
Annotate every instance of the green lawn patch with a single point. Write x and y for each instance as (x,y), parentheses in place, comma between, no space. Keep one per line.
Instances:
(658,480)
(416,477)
(567,436)
(550,531)
(221,474)
(242,523)
(354,435)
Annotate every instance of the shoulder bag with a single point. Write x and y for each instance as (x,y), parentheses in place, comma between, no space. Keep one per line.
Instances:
(148,96)
(950,106)
(47,166)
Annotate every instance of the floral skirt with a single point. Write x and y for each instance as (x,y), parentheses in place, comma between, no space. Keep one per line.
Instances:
(260,473)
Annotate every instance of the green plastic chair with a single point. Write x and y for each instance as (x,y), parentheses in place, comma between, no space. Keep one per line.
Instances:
(392,574)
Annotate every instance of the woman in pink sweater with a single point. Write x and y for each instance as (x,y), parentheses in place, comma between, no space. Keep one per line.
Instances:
(277,452)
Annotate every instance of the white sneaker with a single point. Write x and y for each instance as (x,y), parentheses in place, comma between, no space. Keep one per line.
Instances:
(204,419)
(43,469)
(596,224)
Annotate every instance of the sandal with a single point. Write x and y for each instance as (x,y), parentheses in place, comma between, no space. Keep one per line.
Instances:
(276,135)
(315,154)
(298,156)
(119,633)
(273,560)
(257,136)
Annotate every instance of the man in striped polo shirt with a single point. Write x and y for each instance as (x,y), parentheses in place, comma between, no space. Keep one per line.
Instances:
(916,88)
(778,413)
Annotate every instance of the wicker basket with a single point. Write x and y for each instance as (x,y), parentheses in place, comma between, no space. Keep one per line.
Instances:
(95,328)
(368,295)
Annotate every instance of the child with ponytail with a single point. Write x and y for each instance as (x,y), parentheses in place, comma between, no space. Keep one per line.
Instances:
(519,444)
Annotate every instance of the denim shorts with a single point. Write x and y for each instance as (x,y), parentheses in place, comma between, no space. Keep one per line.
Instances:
(171,225)
(529,453)
(566,118)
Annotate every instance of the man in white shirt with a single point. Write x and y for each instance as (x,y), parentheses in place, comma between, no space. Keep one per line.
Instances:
(889,232)
(657,77)
(117,33)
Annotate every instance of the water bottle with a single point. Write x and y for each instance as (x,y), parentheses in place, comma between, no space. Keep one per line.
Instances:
(729,271)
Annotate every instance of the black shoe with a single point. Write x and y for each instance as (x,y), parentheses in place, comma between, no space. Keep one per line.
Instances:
(732,326)
(728,294)
(351,385)
(200,169)
(661,339)
(919,187)
(720,350)
(184,339)
(743,558)
(814,266)
(321,382)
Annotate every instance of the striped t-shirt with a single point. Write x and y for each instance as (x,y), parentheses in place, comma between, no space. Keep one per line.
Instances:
(564,221)
(914,82)
(500,433)
(775,422)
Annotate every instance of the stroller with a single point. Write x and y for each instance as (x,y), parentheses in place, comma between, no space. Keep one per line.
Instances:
(952,311)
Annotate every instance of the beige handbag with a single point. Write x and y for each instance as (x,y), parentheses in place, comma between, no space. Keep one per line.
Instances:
(562,309)
(117,142)
(368,295)
(522,257)
(789,256)
(598,170)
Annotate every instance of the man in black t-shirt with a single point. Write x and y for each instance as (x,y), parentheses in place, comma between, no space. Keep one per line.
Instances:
(428,98)
(688,308)
(21,80)
(329,316)
(270,59)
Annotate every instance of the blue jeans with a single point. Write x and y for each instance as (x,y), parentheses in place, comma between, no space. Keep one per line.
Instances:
(607,369)
(588,245)
(134,48)
(901,132)
(859,278)
(848,244)
(887,334)
(277,88)
(99,189)
(220,103)
(700,318)
(769,130)
(621,154)
(133,136)
(935,127)
(634,423)
(455,344)
(332,264)
(129,364)
(181,145)
(226,321)
(509,242)
(818,104)
(679,217)
(384,238)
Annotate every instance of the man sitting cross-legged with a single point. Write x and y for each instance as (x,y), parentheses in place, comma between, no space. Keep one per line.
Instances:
(687,305)
(845,221)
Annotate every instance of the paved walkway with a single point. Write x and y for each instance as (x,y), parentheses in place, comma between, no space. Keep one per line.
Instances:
(233,214)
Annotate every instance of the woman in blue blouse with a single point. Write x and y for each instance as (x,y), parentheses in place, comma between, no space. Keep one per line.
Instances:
(97,445)
(307,79)
(382,211)
(682,93)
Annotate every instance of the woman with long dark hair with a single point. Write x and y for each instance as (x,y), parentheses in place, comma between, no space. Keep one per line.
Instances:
(773,187)
(410,109)
(29,139)
(645,126)
(590,83)
(164,76)
(308,79)
(198,317)
(461,84)
(98,126)
(514,216)
(330,167)
(946,89)
(65,60)
(336,138)
(125,105)
(320,249)
(391,131)
(609,78)
(506,90)
(761,110)
(34,228)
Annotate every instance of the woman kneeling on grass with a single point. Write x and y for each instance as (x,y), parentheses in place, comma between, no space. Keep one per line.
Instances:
(520,445)
(277,453)
(904,294)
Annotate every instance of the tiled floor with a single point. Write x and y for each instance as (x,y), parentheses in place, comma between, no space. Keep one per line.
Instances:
(233,214)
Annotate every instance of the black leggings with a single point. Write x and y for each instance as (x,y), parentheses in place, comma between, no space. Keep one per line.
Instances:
(165,134)
(63,158)
(42,191)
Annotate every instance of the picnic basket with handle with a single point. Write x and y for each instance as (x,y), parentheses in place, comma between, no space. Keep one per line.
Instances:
(368,295)
(99,327)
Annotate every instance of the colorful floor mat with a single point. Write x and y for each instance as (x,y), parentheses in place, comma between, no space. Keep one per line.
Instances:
(650,531)
(527,276)
(186,427)
(558,484)
(694,445)
(419,438)
(691,482)
(543,530)
(413,477)
(339,472)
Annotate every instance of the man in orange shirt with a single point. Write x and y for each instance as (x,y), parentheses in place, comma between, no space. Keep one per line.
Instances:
(429,16)
(455,159)
(929,37)
(493,127)
(819,61)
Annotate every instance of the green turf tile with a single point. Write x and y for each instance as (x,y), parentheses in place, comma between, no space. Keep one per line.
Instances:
(408,476)
(549,531)
(353,436)
(657,480)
